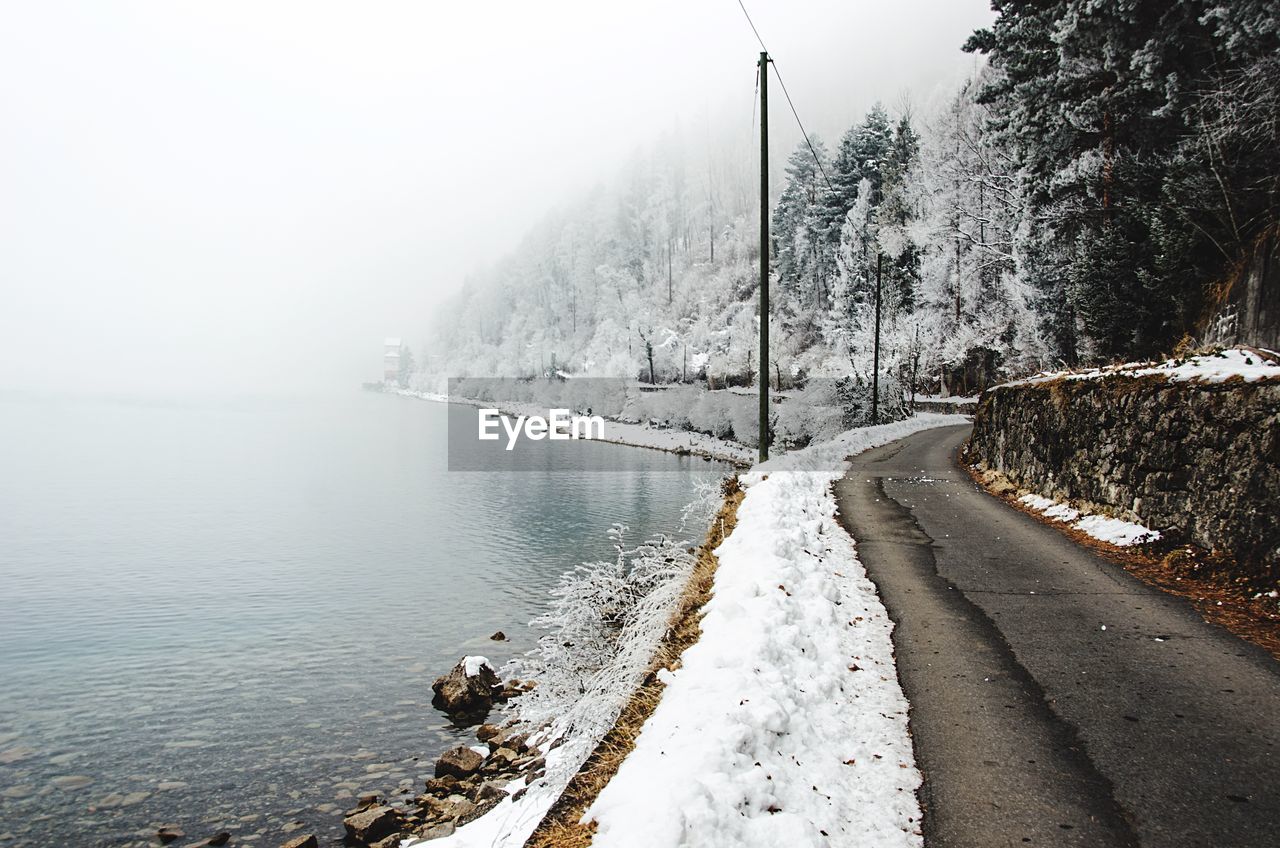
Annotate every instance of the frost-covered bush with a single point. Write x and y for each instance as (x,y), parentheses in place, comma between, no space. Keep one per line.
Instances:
(608,397)
(668,406)
(710,414)
(744,418)
(808,415)
(604,625)
(672,406)
(826,408)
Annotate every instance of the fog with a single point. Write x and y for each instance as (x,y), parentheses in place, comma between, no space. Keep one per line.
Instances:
(247,197)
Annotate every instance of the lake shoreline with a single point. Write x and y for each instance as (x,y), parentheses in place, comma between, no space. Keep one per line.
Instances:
(626,433)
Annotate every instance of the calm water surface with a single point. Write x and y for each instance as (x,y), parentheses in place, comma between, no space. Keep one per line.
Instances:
(228,617)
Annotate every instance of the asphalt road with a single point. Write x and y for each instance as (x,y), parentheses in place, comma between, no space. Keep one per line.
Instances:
(1055,700)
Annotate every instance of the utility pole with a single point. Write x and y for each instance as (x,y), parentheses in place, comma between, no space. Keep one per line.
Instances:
(875,355)
(763,374)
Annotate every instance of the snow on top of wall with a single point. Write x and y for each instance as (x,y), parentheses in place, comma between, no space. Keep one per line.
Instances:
(951,399)
(1217,367)
(1105,529)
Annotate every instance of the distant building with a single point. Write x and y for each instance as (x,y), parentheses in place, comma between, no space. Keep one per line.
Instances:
(391,360)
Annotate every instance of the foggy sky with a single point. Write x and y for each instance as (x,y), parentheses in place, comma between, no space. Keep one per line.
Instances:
(246,197)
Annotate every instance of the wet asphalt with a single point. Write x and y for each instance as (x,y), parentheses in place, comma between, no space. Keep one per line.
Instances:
(1055,699)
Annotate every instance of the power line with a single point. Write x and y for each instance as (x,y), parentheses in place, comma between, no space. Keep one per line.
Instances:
(753,26)
(754,97)
(816,160)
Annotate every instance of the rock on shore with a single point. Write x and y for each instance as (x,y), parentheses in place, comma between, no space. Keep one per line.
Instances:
(470,689)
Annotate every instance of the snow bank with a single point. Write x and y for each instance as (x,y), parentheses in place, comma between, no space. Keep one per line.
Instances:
(700,444)
(785,723)
(1217,367)
(1111,530)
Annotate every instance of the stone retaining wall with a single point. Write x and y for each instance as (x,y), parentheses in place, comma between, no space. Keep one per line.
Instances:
(1199,462)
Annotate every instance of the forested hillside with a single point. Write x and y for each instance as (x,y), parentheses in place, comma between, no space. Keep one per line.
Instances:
(1076,201)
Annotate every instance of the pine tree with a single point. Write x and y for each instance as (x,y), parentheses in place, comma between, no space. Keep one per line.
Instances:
(864,151)
(895,215)
(801,257)
(1124,117)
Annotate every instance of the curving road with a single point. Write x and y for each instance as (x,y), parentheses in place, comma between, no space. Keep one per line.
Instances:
(1056,700)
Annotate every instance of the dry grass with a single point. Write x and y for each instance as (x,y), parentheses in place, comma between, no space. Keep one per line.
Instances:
(561,827)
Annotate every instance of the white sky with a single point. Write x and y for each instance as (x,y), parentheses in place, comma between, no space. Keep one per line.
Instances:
(247,196)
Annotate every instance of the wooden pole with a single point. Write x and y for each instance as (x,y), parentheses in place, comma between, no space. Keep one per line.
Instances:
(875,356)
(762,378)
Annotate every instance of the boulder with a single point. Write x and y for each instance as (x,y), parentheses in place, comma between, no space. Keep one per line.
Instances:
(499,637)
(372,824)
(435,809)
(442,786)
(501,760)
(497,740)
(364,802)
(392,841)
(308,841)
(487,732)
(467,689)
(459,762)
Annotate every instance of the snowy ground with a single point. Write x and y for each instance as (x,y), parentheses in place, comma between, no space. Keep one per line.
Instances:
(1218,367)
(785,724)
(1110,530)
(678,440)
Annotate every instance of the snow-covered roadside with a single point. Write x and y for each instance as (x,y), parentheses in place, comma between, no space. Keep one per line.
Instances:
(1101,527)
(785,724)
(781,644)
(622,432)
